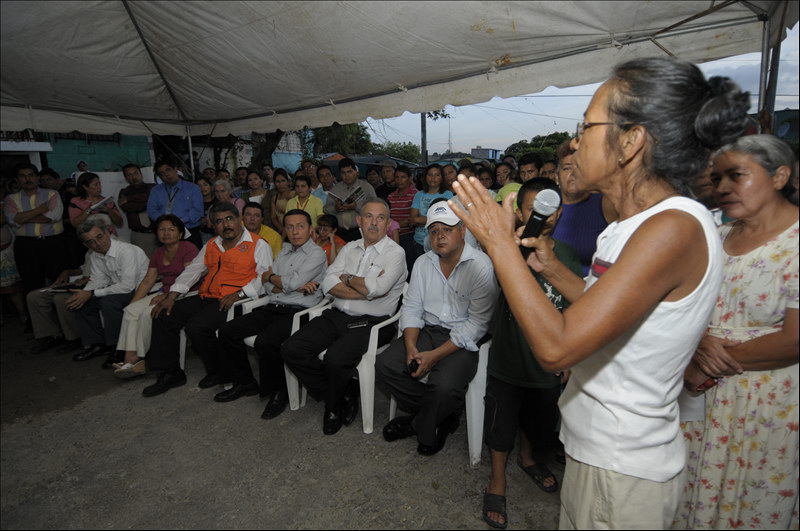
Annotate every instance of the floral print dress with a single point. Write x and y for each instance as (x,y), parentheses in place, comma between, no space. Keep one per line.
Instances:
(742,467)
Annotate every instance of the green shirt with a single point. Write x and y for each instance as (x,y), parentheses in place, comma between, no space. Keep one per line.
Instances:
(510,358)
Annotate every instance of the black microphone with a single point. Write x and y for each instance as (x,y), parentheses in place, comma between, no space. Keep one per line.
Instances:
(546,203)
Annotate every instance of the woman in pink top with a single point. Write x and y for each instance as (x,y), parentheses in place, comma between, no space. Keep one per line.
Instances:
(167,262)
(224,192)
(90,192)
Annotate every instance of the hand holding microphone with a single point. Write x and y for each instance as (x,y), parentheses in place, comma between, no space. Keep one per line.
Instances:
(545,205)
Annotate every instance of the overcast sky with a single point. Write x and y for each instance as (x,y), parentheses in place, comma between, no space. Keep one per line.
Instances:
(500,122)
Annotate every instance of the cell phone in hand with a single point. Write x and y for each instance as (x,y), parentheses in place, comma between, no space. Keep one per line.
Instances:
(413,365)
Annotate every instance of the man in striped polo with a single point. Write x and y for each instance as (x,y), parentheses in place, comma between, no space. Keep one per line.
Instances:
(34,215)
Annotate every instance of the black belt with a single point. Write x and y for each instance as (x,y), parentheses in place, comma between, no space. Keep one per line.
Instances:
(39,237)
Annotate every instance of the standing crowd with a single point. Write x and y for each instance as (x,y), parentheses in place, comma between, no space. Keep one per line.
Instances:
(631,301)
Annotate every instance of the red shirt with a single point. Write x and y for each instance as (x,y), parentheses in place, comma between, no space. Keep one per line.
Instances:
(400,207)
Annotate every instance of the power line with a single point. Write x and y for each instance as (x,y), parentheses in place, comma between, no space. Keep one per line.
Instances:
(525,112)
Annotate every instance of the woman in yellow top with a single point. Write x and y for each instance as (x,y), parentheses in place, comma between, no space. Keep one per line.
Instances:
(280,198)
(304,200)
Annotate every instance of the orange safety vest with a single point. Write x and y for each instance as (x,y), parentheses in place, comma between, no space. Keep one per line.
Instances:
(228,271)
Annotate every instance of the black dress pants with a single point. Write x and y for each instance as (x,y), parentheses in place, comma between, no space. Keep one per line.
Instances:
(272,325)
(328,378)
(202,318)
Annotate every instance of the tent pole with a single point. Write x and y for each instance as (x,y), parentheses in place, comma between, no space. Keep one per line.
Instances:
(424,144)
(191,154)
(762,82)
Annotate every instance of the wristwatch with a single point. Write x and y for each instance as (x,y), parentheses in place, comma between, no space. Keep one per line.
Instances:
(241,294)
(349,278)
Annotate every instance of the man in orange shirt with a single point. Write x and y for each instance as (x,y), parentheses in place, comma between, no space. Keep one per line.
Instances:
(233,263)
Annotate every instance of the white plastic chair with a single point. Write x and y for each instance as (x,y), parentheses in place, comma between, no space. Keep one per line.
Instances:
(292,383)
(473,402)
(365,369)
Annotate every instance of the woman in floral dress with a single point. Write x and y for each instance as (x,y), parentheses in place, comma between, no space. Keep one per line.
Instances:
(742,468)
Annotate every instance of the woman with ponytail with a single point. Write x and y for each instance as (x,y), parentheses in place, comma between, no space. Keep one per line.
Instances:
(635,321)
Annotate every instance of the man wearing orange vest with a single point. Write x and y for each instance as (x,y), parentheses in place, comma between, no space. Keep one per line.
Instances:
(233,263)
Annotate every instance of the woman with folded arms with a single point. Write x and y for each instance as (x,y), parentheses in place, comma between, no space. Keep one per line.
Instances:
(167,262)
(633,326)
(742,469)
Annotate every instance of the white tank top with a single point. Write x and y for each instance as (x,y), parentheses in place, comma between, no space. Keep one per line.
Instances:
(620,408)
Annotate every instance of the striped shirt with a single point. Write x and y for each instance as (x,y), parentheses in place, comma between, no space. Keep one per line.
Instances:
(22,202)
(400,206)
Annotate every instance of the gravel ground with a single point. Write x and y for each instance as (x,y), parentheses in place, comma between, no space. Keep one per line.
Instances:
(81,449)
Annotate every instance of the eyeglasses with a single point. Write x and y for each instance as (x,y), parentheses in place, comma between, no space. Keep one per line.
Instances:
(96,240)
(583,126)
(227,220)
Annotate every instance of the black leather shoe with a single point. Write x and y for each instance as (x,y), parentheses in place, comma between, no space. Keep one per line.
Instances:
(398,428)
(116,356)
(448,426)
(90,352)
(48,343)
(331,422)
(277,403)
(237,391)
(350,403)
(69,346)
(209,380)
(165,382)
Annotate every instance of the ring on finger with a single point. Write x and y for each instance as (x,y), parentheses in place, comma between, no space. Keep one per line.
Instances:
(469,204)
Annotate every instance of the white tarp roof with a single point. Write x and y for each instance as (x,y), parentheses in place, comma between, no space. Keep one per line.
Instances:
(237,67)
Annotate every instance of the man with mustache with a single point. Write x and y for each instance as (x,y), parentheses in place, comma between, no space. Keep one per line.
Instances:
(233,263)
(366,280)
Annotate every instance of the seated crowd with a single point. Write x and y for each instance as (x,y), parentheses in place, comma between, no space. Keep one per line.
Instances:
(361,251)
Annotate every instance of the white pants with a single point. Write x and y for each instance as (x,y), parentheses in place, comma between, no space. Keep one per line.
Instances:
(134,334)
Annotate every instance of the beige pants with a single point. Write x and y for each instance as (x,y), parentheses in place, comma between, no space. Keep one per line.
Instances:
(50,317)
(595,498)
(137,325)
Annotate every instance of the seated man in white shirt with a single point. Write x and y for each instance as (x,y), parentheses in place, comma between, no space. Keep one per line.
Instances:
(292,284)
(366,280)
(116,269)
(446,311)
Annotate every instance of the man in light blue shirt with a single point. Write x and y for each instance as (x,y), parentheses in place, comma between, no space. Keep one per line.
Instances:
(292,283)
(176,196)
(446,311)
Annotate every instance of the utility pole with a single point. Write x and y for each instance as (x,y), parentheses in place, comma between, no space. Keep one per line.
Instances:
(424,144)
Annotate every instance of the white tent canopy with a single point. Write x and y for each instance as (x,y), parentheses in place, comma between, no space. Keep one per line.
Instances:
(237,67)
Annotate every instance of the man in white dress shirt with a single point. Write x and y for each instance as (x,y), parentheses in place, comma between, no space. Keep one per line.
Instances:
(446,311)
(116,270)
(366,280)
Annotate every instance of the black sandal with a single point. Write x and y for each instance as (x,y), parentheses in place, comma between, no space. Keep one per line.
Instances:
(538,473)
(494,503)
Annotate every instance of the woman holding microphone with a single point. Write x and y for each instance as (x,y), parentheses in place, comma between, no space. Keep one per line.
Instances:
(634,323)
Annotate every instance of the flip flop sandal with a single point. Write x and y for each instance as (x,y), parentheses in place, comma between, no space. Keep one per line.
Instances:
(494,503)
(538,473)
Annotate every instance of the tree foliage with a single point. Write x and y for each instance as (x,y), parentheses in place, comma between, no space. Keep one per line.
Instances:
(546,147)
(347,139)
(401,150)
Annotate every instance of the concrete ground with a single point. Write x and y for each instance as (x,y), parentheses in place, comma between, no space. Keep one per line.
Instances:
(81,449)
